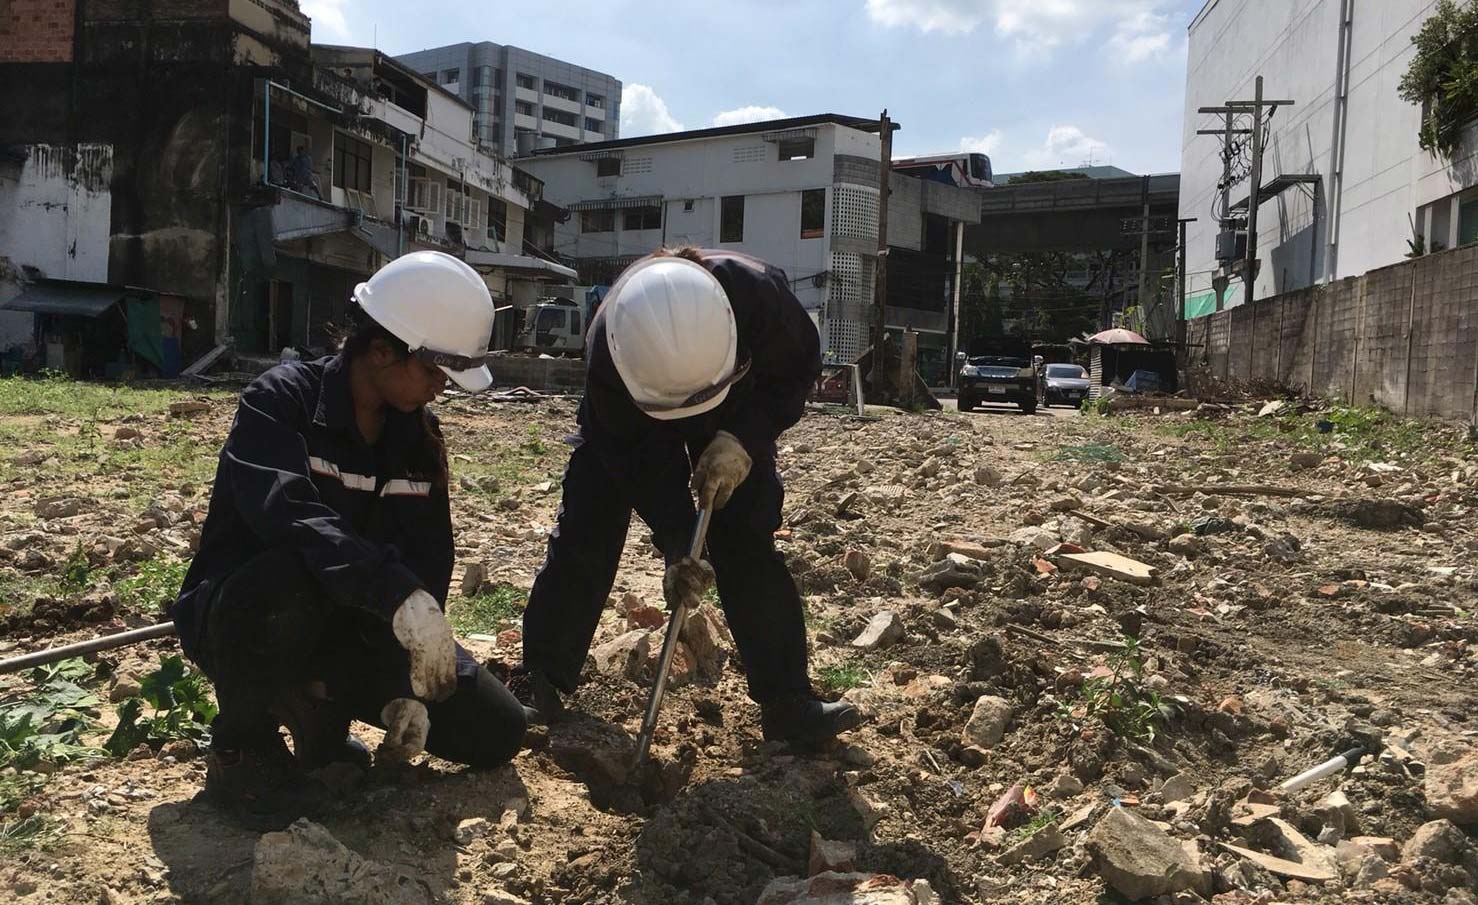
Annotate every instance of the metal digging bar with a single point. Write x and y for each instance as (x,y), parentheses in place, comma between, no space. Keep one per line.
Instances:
(669,648)
(68,651)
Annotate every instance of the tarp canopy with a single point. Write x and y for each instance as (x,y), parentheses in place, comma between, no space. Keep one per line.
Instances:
(68,298)
(1118,337)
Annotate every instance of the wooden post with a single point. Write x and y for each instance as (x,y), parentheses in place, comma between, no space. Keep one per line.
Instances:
(880,267)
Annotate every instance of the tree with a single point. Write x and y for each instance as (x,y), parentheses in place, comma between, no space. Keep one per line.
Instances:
(1443,76)
(1046,176)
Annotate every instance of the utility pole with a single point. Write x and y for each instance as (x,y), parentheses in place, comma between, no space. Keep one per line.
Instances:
(1144,255)
(1180,289)
(1249,274)
(880,272)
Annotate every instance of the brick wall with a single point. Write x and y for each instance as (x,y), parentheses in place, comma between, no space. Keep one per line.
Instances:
(36,31)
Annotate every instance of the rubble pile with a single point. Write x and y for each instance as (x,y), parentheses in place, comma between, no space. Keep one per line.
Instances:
(1090,651)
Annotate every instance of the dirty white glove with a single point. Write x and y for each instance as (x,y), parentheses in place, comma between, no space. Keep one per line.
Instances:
(685,582)
(720,470)
(422,629)
(406,726)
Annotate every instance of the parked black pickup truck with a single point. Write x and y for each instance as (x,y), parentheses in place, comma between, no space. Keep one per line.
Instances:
(1000,379)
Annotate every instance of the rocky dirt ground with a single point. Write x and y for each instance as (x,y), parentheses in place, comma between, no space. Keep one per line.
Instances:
(1041,729)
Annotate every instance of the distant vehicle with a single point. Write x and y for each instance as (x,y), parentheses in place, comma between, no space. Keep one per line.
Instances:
(997,378)
(968,170)
(555,326)
(1064,384)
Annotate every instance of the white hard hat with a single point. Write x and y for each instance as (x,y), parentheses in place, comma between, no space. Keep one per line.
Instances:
(672,337)
(440,308)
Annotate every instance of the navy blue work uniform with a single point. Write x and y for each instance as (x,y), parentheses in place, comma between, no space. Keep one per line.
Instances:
(625,460)
(313,539)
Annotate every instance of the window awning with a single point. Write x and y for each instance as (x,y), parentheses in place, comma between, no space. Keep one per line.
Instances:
(606,204)
(788,135)
(521,264)
(70,298)
(601,155)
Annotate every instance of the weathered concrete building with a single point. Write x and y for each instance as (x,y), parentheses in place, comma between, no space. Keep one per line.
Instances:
(205,153)
(799,193)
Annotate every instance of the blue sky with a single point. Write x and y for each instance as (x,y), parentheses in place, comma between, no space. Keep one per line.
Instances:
(1034,83)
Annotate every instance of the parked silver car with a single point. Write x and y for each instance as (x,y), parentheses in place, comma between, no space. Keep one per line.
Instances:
(1064,384)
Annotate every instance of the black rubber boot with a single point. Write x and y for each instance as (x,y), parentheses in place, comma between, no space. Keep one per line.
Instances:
(807,721)
(320,729)
(539,697)
(262,787)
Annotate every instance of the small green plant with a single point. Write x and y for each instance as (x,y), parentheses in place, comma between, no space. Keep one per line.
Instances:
(1119,701)
(154,586)
(535,443)
(487,613)
(180,708)
(46,723)
(842,676)
(1091,452)
(1099,406)
(1043,819)
(76,572)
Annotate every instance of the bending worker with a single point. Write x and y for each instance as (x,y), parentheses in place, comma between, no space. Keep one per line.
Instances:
(696,363)
(324,562)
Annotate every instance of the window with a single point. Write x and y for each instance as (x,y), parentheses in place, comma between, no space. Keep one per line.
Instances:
(687,207)
(497,219)
(813,213)
(352,163)
(523,108)
(645,217)
(456,203)
(608,166)
(598,221)
(595,100)
(451,76)
(592,125)
(731,219)
(561,117)
(561,91)
(526,81)
(797,148)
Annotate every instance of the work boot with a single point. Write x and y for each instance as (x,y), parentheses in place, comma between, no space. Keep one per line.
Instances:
(261,787)
(806,721)
(539,697)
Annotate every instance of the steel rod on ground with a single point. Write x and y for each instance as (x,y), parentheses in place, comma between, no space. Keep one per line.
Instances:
(68,651)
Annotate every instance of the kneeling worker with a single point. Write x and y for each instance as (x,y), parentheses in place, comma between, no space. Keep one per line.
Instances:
(696,363)
(317,594)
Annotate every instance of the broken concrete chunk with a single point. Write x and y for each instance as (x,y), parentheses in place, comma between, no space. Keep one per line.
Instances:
(858,563)
(1294,846)
(1177,788)
(828,856)
(306,865)
(987,476)
(954,571)
(1186,544)
(188,407)
(1140,860)
(1452,790)
(624,655)
(1282,867)
(470,829)
(847,889)
(1439,840)
(705,637)
(884,629)
(1040,844)
(987,724)
(474,576)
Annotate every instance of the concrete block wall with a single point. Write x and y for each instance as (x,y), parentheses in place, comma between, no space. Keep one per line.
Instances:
(1404,338)
(36,31)
(549,375)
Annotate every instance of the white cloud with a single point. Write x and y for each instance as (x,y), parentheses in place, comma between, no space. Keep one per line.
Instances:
(985,144)
(1067,146)
(328,16)
(749,114)
(644,113)
(1139,29)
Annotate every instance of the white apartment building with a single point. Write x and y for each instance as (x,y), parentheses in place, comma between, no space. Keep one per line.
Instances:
(801,194)
(1346,183)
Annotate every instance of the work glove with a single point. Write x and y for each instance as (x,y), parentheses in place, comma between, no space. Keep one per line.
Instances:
(720,470)
(406,726)
(422,629)
(685,582)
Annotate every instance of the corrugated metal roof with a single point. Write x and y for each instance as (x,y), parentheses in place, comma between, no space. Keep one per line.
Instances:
(68,298)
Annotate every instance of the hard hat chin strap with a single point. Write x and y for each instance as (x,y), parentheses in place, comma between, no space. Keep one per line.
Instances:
(450,360)
(699,397)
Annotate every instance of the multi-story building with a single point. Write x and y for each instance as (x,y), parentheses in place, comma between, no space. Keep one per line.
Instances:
(799,193)
(1345,183)
(524,100)
(213,161)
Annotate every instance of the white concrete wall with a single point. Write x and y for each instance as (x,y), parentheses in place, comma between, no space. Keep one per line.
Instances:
(1294,45)
(55,217)
(704,171)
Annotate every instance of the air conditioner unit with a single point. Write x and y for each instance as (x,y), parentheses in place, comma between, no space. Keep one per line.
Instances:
(423,227)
